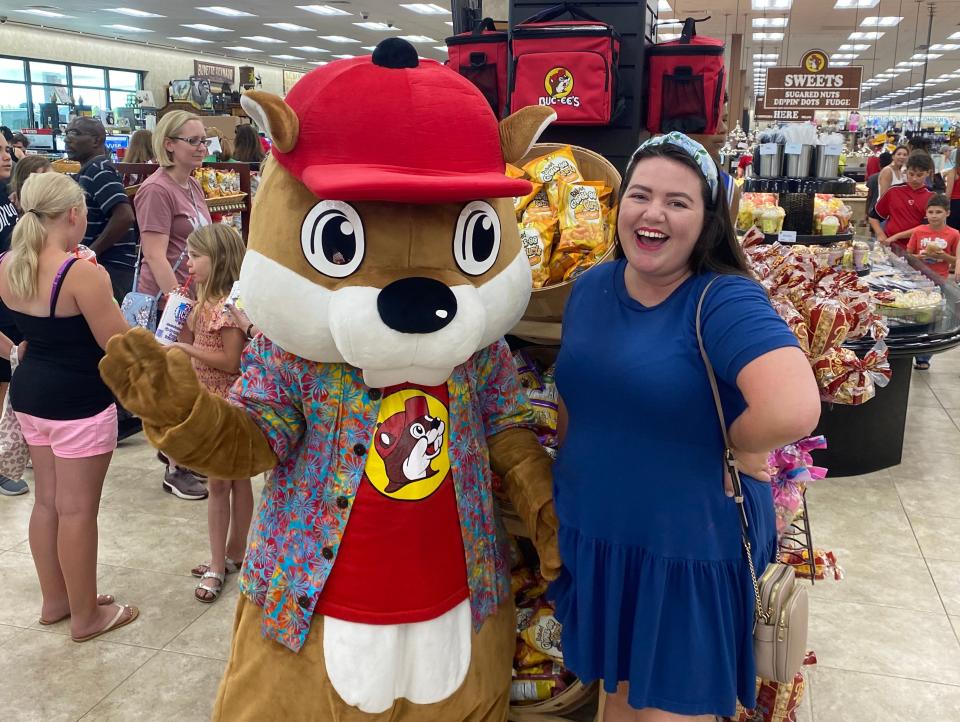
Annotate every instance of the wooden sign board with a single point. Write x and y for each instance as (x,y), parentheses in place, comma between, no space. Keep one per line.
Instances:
(813,85)
(214,72)
(787,115)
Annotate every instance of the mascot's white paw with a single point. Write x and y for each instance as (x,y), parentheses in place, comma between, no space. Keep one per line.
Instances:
(370,666)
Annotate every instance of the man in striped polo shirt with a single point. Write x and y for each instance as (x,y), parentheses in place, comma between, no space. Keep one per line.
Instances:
(110,220)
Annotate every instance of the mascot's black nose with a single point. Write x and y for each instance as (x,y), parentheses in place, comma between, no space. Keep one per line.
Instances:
(417,305)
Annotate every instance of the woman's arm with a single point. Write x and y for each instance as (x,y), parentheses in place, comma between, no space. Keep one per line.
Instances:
(950,177)
(883,183)
(783,402)
(94,295)
(154,247)
(227,360)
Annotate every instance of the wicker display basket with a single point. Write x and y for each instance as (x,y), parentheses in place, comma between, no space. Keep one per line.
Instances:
(541,322)
(570,700)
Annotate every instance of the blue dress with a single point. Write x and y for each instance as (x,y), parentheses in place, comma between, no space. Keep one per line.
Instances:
(655,589)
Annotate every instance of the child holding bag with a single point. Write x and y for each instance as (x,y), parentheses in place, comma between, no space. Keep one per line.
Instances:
(214,343)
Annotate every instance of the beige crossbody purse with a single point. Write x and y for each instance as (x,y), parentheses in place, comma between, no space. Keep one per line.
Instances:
(781,612)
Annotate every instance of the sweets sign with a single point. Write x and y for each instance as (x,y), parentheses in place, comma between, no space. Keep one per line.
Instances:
(813,85)
(784,115)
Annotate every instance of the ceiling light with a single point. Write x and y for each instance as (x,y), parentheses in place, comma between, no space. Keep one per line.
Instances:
(286,57)
(766,56)
(840,63)
(189,39)
(667,37)
(262,39)
(760,37)
(664,7)
(441,48)
(448,22)
(859,35)
(227,12)
(765,63)
(417,39)
(320,62)
(910,63)
(855,46)
(878,21)
(309,49)
(323,10)
(129,29)
(242,49)
(380,27)
(44,13)
(844,56)
(338,39)
(207,28)
(344,57)
(770,22)
(925,56)
(134,13)
(944,46)
(847,4)
(425,8)
(289,27)
(771,4)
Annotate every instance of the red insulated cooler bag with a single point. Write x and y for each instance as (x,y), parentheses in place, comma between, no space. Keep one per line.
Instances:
(570,66)
(686,83)
(482,57)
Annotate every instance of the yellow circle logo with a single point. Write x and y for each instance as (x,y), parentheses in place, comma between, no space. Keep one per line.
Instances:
(410,455)
(815,61)
(558,82)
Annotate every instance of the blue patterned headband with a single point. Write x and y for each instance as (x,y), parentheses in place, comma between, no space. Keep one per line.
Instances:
(694,150)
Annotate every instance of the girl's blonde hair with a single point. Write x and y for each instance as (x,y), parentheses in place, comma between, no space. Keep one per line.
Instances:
(169,127)
(44,196)
(224,246)
(140,149)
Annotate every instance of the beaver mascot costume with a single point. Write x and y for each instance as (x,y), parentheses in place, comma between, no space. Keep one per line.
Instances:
(383,269)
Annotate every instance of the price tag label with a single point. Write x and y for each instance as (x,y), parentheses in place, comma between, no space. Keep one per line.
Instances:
(768,149)
(787,237)
(833,150)
(793,148)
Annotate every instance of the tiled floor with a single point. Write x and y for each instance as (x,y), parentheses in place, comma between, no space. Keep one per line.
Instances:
(886,637)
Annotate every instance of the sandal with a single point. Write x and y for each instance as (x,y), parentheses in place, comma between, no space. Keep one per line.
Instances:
(102,600)
(125,614)
(922,365)
(208,595)
(231,566)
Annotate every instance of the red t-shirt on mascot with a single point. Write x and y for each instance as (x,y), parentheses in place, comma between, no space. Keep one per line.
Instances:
(401,559)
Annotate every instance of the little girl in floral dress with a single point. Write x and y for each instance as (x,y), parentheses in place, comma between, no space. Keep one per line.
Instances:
(214,343)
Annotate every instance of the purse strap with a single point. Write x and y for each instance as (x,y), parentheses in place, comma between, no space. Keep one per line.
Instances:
(729,460)
(180,260)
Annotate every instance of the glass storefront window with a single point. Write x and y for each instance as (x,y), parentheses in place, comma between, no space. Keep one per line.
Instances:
(93,98)
(121,80)
(87,76)
(48,73)
(11,69)
(13,106)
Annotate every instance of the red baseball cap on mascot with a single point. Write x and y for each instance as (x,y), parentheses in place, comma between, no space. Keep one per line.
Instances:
(393,127)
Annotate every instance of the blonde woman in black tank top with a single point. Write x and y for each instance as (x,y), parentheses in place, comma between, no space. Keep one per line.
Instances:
(65,309)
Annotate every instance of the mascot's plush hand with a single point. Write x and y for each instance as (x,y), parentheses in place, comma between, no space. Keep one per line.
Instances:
(158,385)
(518,458)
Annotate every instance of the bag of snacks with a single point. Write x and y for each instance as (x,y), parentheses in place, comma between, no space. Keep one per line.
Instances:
(583,210)
(552,169)
(543,633)
(538,229)
(513,172)
(521,202)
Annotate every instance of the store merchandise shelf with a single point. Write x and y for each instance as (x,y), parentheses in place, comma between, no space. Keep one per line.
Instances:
(832,186)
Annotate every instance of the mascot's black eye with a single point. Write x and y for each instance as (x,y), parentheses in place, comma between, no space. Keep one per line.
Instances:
(332,238)
(476,243)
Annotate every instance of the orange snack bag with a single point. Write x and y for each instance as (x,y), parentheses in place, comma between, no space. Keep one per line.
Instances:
(552,169)
(538,229)
(513,172)
(583,210)
(521,202)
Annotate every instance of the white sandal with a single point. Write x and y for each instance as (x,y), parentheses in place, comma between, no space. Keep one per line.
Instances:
(214,592)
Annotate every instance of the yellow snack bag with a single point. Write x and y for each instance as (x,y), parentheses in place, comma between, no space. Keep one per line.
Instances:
(610,227)
(543,634)
(552,169)
(513,172)
(583,207)
(521,202)
(538,229)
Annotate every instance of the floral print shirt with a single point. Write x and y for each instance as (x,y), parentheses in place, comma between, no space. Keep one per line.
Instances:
(319,419)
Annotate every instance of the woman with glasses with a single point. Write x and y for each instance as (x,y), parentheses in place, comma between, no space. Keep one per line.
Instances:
(170,206)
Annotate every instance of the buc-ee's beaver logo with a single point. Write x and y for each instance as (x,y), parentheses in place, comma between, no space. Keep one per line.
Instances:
(410,458)
(558,83)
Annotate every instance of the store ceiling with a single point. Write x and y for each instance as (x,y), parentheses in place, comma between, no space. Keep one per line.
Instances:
(820,24)
(809,24)
(302,40)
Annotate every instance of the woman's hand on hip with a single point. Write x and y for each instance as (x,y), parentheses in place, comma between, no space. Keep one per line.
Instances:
(753,464)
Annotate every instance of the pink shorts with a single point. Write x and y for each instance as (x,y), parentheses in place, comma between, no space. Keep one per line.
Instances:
(74,439)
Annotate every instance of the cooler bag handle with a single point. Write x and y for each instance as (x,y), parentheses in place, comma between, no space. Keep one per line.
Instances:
(557,10)
(481,25)
(689,31)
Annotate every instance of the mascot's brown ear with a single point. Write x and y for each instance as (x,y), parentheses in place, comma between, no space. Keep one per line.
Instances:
(274,117)
(518,132)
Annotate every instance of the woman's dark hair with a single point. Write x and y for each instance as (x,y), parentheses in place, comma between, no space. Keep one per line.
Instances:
(717,249)
(7,133)
(885,158)
(246,145)
(21,139)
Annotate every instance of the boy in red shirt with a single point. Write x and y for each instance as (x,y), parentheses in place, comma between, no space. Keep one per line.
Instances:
(904,206)
(935,243)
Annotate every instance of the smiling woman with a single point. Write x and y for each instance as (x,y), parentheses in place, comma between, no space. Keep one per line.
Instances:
(652,595)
